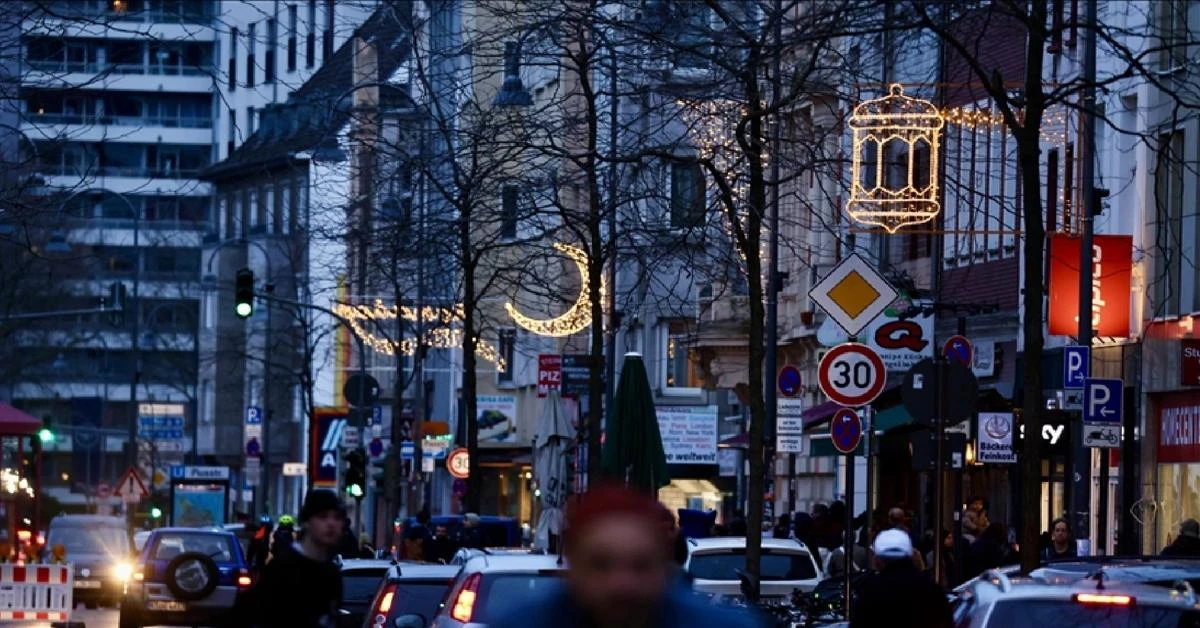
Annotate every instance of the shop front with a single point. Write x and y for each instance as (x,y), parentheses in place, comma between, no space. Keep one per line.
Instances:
(1177,418)
(689,437)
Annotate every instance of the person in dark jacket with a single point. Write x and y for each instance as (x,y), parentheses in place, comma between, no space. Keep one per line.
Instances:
(284,537)
(441,547)
(469,535)
(348,544)
(415,542)
(899,595)
(618,575)
(989,551)
(301,588)
(1061,544)
(1188,541)
(260,546)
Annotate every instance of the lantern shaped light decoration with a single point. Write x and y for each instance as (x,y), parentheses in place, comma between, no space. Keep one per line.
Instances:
(894,181)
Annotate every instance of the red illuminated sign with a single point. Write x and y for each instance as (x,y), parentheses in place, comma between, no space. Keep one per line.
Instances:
(1112,262)
(1179,428)
(549,374)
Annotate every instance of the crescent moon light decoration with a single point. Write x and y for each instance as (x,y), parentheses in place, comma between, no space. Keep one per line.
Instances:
(577,317)
(444,334)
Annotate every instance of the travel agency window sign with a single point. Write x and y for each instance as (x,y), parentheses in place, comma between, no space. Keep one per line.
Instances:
(1179,429)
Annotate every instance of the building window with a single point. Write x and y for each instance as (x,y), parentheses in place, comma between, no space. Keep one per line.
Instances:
(231,142)
(1173,27)
(678,371)
(327,36)
(250,121)
(1169,237)
(508,351)
(233,53)
(269,55)
(692,33)
(310,44)
(251,47)
(687,196)
(291,45)
(509,211)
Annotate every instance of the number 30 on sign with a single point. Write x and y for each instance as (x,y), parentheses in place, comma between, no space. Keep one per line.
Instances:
(852,374)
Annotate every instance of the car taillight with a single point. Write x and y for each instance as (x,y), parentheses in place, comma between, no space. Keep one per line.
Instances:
(243,578)
(1103,598)
(464,602)
(383,605)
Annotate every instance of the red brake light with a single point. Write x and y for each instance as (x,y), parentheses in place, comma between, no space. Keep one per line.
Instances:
(243,579)
(383,604)
(1103,598)
(464,602)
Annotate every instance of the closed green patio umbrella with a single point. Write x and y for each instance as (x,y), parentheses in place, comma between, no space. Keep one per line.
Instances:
(633,449)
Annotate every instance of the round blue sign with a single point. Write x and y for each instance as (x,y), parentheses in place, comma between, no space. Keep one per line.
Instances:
(789,381)
(845,430)
(375,448)
(253,448)
(958,348)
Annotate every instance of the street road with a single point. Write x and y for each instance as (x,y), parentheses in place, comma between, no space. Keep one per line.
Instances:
(99,618)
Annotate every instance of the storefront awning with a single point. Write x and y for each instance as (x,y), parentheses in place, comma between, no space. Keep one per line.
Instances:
(737,441)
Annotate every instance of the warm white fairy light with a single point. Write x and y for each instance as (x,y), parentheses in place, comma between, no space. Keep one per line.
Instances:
(577,317)
(449,337)
(902,121)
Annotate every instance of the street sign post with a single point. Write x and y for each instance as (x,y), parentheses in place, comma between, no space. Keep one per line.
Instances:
(852,374)
(853,294)
(407,450)
(1077,367)
(921,389)
(131,489)
(1103,409)
(361,390)
(958,349)
(789,428)
(846,430)
(788,381)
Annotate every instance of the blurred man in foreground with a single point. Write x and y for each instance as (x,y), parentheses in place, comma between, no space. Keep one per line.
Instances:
(620,573)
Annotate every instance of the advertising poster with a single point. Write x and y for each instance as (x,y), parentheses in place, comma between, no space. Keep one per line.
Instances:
(689,434)
(198,505)
(996,438)
(497,420)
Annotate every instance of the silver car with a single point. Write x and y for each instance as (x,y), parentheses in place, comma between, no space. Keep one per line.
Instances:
(998,601)
(491,586)
(786,565)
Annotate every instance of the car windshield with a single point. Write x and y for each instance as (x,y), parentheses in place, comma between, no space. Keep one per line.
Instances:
(501,594)
(774,566)
(98,541)
(359,585)
(423,598)
(215,546)
(1069,613)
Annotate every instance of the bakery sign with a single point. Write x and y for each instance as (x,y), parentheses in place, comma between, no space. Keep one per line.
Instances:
(1179,428)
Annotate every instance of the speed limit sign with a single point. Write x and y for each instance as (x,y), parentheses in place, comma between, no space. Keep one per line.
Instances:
(458,463)
(852,374)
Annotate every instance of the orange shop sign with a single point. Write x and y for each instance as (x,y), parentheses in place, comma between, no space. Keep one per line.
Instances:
(1112,263)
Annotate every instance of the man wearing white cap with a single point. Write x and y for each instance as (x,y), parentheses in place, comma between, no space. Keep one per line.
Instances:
(899,595)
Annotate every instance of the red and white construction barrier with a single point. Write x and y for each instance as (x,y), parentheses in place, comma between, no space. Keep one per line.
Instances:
(36,592)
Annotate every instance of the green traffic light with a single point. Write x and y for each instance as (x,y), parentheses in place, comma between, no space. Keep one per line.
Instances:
(244,309)
(45,435)
(156,513)
(355,490)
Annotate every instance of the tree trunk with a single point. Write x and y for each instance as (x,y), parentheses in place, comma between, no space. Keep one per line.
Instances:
(469,342)
(1028,137)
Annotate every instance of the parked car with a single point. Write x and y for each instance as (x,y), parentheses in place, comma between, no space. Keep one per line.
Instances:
(491,586)
(463,555)
(101,551)
(786,565)
(410,595)
(360,582)
(997,601)
(188,576)
(1153,570)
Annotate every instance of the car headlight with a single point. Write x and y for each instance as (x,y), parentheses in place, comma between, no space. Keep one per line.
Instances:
(123,571)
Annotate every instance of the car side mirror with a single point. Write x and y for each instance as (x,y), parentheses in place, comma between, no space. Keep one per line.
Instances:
(411,620)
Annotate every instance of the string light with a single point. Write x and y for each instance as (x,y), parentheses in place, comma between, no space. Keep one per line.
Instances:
(894,120)
(437,337)
(578,317)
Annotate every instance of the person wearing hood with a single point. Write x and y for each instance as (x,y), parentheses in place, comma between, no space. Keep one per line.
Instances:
(1188,541)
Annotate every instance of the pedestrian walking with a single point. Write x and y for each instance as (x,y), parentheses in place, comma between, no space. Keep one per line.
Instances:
(469,535)
(259,550)
(416,538)
(301,588)
(899,595)
(1188,541)
(989,551)
(283,538)
(619,573)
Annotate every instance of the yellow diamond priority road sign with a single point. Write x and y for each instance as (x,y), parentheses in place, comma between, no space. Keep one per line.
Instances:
(853,294)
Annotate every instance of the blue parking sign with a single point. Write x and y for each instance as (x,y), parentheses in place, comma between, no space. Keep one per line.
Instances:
(1103,400)
(1077,367)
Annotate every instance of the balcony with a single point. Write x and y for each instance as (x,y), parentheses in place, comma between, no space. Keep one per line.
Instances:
(132,11)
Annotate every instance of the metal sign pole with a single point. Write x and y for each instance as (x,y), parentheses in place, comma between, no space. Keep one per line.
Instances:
(848,542)
(939,489)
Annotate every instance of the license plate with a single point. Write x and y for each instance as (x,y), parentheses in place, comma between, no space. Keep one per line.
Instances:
(87,584)
(166,605)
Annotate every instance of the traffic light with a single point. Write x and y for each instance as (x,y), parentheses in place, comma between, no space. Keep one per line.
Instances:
(385,472)
(45,435)
(155,513)
(244,293)
(356,473)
